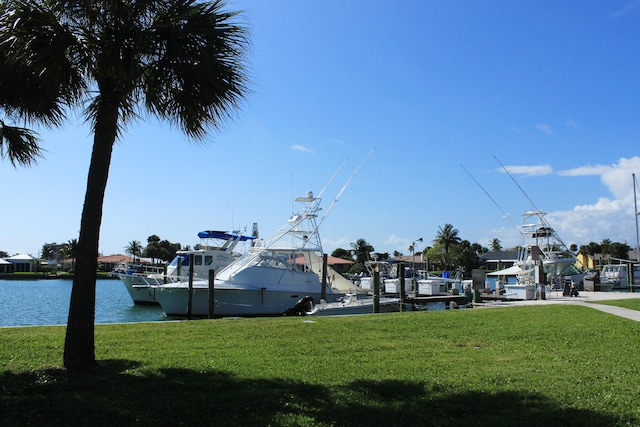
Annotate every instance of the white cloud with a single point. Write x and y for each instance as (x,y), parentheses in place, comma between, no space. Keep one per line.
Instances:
(395,240)
(608,217)
(617,177)
(528,170)
(299,147)
(589,170)
(544,127)
(571,123)
(329,245)
(626,10)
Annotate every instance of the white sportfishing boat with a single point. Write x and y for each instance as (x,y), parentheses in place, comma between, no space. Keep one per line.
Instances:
(216,251)
(543,260)
(613,277)
(270,278)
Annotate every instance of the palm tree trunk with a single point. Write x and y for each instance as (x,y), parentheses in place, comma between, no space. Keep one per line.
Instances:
(79,346)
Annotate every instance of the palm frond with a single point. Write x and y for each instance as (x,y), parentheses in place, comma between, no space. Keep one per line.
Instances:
(19,144)
(37,77)
(196,76)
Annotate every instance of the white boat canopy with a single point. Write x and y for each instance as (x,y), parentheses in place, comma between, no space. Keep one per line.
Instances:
(514,270)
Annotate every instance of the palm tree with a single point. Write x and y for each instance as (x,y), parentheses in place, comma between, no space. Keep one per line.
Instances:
(447,237)
(361,249)
(69,250)
(134,248)
(179,60)
(495,245)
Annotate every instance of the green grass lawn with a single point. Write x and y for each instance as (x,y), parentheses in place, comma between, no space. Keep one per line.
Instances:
(522,366)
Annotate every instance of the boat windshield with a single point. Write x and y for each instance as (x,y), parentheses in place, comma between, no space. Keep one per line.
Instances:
(614,269)
(570,270)
(198,259)
(182,259)
(277,260)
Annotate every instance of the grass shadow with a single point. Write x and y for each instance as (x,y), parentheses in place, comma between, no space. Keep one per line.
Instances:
(120,393)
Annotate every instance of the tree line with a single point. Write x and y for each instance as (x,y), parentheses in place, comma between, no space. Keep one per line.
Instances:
(156,249)
(608,249)
(450,252)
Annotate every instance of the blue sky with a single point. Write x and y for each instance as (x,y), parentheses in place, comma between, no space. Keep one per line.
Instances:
(549,89)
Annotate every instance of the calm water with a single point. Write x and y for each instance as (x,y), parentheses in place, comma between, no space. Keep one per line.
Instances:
(46,302)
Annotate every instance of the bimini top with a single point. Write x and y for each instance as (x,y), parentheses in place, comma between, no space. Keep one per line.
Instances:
(212,234)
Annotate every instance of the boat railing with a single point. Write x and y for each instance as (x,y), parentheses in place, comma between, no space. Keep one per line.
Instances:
(156,280)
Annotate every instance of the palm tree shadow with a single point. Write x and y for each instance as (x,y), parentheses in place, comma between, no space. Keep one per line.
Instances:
(116,393)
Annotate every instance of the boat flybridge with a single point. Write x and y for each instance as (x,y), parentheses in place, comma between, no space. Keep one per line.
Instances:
(216,250)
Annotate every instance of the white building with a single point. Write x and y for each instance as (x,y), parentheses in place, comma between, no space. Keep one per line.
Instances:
(21,263)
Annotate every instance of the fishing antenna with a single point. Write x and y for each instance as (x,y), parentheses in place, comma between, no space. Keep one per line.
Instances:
(344,187)
(516,183)
(506,215)
(332,177)
(281,234)
(323,188)
(538,212)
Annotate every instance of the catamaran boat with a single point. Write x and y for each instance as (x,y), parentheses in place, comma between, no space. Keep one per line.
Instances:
(216,251)
(271,277)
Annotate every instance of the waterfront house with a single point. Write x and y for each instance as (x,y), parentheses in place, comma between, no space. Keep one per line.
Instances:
(21,263)
(5,266)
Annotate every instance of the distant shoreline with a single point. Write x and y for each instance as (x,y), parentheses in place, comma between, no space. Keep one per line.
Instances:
(48,276)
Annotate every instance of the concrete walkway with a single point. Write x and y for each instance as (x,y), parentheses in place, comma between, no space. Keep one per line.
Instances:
(586,299)
(618,311)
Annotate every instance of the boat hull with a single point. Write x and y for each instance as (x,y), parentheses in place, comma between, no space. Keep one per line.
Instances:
(142,289)
(360,306)
(231,302)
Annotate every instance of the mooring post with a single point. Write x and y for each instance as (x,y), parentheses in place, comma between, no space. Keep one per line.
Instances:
(323,291)
(376,291)
(190,300)
(402,284)
(211,295)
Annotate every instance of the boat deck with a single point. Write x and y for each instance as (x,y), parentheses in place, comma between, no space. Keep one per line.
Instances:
(459,300)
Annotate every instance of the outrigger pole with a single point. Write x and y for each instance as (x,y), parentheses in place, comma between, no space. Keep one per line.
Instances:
(344,187)
(517,185)
(506,215)
(332,177)
(538,212)
(335,200)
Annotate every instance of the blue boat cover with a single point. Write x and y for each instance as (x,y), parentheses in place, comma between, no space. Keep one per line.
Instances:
(212,234)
